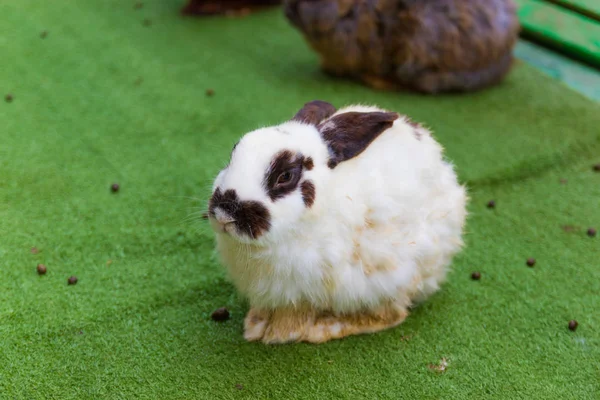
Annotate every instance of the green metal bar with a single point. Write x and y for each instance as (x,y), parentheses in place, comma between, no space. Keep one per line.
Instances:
(589,8)
(561,29)
(577,76)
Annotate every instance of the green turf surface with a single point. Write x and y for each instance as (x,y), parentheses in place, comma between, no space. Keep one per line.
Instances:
(103,98)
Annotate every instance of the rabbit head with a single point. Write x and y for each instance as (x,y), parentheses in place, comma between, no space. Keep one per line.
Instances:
(275,173)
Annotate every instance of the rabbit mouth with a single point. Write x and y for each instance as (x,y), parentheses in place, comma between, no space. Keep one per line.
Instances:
(226,227)
(238,218)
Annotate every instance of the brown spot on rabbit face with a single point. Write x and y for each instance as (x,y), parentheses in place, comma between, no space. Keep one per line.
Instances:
(349,134)
(314,112)
(308,193)
(308,163)
(283,176)
(250,218)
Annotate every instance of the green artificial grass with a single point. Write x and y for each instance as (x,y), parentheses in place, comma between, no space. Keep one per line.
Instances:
(105,98)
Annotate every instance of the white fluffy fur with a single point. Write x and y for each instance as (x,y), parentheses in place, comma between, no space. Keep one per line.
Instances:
(384,225)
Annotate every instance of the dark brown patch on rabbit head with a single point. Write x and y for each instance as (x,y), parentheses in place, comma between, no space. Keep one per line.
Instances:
(347,135)
(314,112)
(250,218)
(308,193)
(285,174)
(309,163)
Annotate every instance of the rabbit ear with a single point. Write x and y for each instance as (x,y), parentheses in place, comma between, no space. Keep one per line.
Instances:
(349,134)
(314,112)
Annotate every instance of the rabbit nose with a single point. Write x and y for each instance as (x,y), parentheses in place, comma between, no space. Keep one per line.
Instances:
(222,218)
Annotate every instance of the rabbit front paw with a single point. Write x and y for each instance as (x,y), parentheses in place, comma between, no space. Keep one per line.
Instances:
(283,325)
(288,325)
(255,324)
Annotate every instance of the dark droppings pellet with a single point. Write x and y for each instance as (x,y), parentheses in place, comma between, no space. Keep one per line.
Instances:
(146,22)
(476,276)
(44,34)
(210,92)
(573,325)
(9,98)
(530,262)
(41,269)
(114,187)
(591,232)
(491,204)
(596,167)
(72,280)
(220,314)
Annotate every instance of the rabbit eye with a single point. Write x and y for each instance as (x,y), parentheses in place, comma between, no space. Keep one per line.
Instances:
(284,178)
(283,175)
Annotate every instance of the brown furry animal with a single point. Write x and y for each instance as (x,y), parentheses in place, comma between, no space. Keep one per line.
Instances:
(430,46)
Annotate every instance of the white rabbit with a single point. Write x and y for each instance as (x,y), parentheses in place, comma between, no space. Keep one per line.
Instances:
(335,223)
